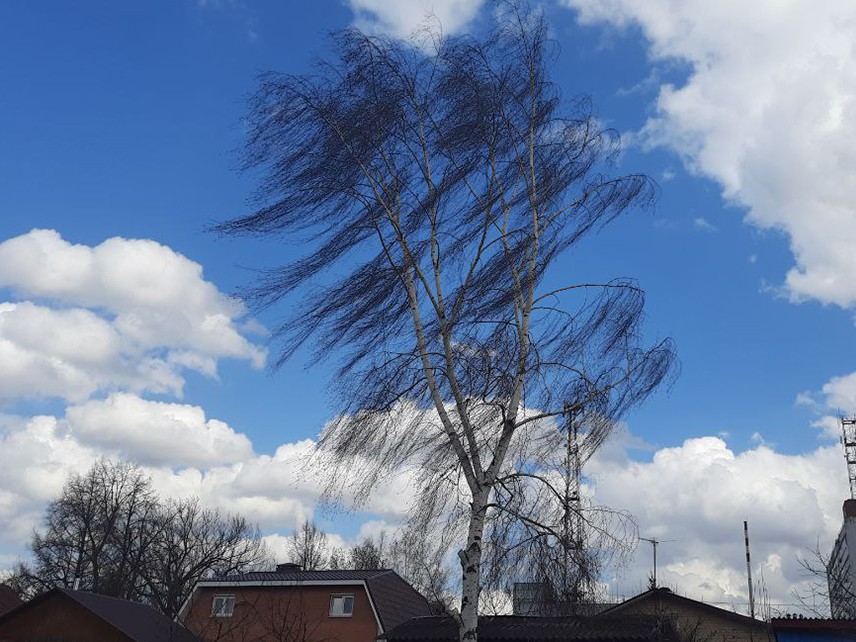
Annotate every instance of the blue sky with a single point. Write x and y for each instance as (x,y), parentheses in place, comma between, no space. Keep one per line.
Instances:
(121,120)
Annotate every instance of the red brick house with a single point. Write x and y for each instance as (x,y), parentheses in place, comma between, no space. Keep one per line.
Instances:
(301,606)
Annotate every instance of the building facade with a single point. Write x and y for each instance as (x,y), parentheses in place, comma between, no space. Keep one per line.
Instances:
(301,606)
(841,569)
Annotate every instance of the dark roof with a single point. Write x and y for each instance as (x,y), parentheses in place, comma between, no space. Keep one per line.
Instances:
(395,601)
(298,576)
(664,594)
(812,624)
(8,599)
(139,622)
(519,628)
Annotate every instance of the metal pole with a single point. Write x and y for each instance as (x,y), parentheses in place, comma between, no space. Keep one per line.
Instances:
(749,570)
(654,542)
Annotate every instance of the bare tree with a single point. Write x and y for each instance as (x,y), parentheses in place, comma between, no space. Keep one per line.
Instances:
(193,542)
(825,579)
(420,557)
(110,533)
(97,532)
(444,186)
(308,547)
(368,554)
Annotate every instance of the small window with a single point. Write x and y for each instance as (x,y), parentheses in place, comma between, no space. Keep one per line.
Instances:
(223,606)
(341,605)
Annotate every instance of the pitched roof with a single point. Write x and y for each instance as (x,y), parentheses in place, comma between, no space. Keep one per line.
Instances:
(8,599)
(666,594)
(393,598)
(519,628)
(138,622)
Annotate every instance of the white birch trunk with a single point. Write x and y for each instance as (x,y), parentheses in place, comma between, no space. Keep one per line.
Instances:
(471,568)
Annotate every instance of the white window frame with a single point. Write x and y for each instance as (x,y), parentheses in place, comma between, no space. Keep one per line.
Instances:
(337,604)
(227,606)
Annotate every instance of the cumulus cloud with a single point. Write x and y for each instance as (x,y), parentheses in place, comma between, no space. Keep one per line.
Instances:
(36,457)
(125,314)
(404,18)
(768,112)
(698,494)
(186,455)
(838,399)
(152,432)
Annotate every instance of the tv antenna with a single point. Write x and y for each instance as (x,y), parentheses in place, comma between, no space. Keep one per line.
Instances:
(654,541)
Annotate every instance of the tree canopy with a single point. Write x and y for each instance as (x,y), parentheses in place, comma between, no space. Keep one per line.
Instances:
(109,532)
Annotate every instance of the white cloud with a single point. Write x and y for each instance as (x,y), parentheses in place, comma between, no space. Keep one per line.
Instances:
(698,494)
(704,225)
(36,457)
(71,354)
(841,392)
(186,455)
(99,328)
(839,399)
(125,314)
(767,111)
(404,18)
(157,433)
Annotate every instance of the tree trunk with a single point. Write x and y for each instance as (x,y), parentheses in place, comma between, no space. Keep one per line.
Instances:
(471,569)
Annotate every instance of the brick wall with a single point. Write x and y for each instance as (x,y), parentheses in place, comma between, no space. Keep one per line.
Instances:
(279,613)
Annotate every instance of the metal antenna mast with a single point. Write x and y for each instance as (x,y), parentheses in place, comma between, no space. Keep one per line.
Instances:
(654,541)
(848,440)
(573,518)
(749,570)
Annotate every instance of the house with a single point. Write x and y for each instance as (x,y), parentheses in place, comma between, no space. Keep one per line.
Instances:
(8,599)
(63,615)
(520,628)
(694,620)
(305,606)
(803,629)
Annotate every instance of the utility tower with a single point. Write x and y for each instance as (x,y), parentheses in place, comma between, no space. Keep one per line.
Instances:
(573,547)
(848,440)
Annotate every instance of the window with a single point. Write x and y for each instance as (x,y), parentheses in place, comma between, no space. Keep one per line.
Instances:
(223,606)
(341,605)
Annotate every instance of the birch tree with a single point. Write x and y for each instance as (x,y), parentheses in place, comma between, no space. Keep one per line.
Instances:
(433,190)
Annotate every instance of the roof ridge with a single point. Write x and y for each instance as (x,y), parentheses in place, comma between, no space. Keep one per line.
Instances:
(73,593)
